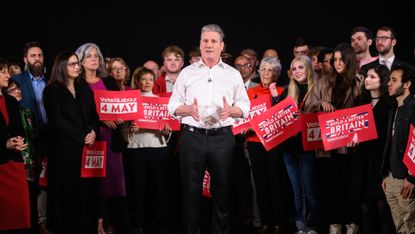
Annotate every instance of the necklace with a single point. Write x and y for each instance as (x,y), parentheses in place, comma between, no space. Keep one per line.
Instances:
(375,97)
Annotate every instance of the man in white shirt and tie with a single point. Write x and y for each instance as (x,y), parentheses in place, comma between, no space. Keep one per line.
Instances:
(208,95)
(385,42)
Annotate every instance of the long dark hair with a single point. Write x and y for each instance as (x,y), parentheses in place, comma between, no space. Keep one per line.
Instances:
(345,81)
(383,72)
(59,70)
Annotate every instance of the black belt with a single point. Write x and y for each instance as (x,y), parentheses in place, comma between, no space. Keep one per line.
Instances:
(208,131)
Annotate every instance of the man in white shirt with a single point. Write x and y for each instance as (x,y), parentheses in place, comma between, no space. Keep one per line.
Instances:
(385,43)
(207,96)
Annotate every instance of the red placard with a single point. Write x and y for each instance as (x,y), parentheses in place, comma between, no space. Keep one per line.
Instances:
(341,127)
(258,106)
(156,114)
(206,185)
(113,105)
(409,156)
(94,159)
(168,94)
(310,131)
(277,124)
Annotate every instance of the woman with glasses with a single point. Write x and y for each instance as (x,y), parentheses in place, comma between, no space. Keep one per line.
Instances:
(267,166)
(14,195)
(73,123)
(119,69)
(27,123)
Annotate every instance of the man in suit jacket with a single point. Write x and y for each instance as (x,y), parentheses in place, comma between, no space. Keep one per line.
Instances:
(244,67)
(385,42)
(32,81)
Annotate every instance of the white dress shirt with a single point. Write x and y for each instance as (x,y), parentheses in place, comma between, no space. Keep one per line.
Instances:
(209,86)
(387,62)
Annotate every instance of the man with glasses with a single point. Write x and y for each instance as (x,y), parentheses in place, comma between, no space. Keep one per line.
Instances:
(243,65)
(253,60)
(385,42)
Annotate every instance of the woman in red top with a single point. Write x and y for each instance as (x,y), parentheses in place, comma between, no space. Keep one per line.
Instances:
(14,195)
(267,166)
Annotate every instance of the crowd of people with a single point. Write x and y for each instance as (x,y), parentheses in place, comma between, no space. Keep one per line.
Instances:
(154,178)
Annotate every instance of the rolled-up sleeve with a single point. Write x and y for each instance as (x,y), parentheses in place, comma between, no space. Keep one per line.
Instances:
(178,97)
(242,100)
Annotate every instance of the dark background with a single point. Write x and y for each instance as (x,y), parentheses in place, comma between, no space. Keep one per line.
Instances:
(138,33)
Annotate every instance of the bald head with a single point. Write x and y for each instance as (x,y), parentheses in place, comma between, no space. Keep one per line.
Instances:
(152,65)
(270,53)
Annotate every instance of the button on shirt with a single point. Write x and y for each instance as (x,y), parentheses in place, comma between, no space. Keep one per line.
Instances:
(209,86)
(169,84)
(38,86)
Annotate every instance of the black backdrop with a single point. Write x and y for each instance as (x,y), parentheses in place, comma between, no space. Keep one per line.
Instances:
(139,33)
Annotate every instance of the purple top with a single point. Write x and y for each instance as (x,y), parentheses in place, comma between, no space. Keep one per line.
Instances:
(113,184)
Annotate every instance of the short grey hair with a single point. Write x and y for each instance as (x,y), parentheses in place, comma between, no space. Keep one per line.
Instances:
(213,28)
(274,62)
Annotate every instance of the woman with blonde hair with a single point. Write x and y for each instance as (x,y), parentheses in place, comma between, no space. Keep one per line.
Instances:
(301,164)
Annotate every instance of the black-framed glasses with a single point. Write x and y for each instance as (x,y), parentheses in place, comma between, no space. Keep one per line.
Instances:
(240,66)
(383,38)
(13,90)
(73,64)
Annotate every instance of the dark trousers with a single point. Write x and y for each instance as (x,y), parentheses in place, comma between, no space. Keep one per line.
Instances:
(144,166)
(268,171)
(242,189)
(117,209)
(214,151)
(339,178)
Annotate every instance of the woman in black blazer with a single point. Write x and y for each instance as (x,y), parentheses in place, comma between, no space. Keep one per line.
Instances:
(73,123)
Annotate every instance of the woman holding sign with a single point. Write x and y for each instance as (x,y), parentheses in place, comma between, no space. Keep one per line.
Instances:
(73,123)
(301,164)
(146,158)
(112,189)
(345,90)
(267,166)
(368,200)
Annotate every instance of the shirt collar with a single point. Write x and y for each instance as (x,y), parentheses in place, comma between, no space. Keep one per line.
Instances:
(220,64)
(33,78)
(166,78)
(390,60)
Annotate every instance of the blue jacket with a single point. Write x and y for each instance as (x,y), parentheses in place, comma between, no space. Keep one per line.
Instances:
(28,94)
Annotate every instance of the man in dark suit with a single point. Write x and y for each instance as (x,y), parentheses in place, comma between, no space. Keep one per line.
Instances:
(385,42)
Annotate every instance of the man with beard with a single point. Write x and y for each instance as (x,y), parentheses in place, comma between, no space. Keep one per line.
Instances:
(398,183)
(385,42)
(32,82)
(361,38)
